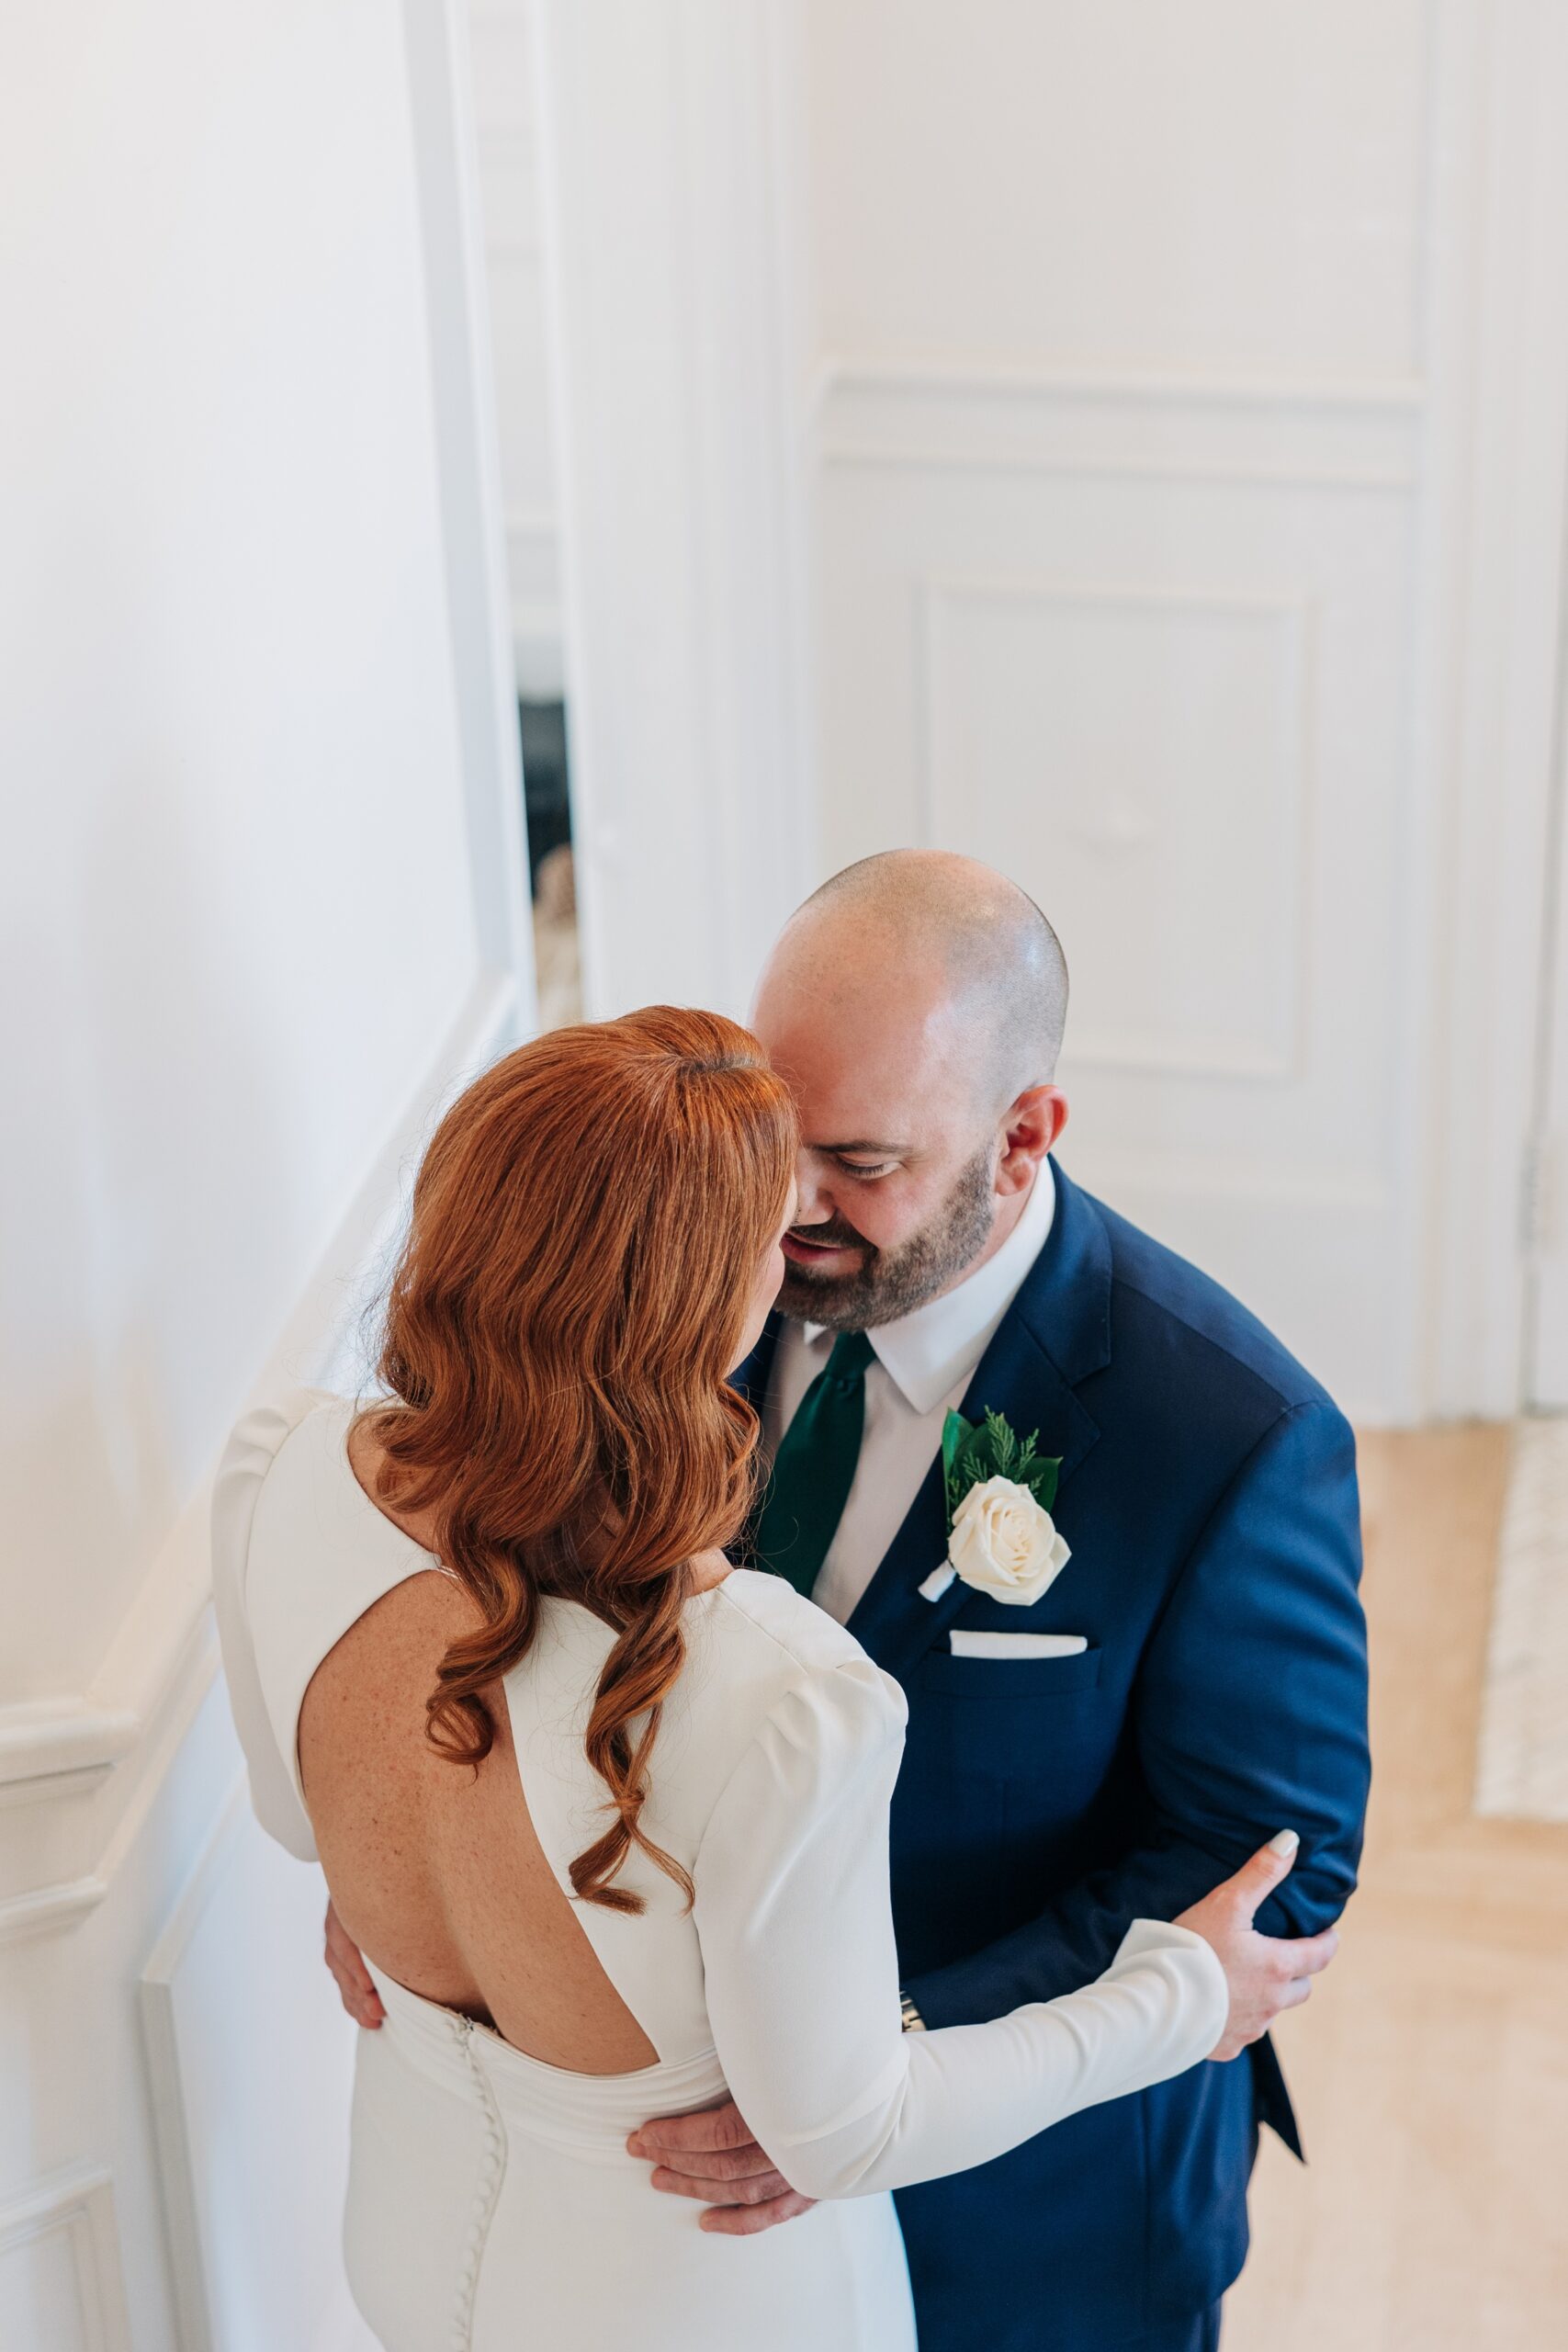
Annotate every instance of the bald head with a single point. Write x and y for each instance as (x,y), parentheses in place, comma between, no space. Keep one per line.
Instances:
(938,928)
(915,1004)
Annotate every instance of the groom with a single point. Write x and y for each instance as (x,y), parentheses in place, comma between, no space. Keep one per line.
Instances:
(1190,1682)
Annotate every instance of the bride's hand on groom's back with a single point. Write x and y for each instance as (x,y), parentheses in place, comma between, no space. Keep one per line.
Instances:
(1266,1974)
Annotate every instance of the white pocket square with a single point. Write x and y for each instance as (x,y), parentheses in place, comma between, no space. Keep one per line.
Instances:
(1017,1645)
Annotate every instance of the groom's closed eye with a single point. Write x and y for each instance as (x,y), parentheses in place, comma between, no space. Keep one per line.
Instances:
(863,1158)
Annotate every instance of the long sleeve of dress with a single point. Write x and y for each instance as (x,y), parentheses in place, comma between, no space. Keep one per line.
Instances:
(795,1919)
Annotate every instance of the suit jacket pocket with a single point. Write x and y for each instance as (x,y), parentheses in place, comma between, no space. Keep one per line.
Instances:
(1026,1679)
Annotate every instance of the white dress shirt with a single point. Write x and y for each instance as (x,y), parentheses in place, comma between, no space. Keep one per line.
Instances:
(923,1363)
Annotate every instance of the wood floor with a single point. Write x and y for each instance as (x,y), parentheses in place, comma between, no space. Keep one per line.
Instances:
(1430,2069)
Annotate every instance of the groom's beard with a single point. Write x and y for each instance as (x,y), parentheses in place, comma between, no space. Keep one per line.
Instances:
(890,1283)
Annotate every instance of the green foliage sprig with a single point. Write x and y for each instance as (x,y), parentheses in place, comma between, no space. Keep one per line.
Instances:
(973,1452)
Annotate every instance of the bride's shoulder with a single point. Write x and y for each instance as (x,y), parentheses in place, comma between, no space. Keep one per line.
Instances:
(754,1610)
(289,1511)
(774,1679)
(267,1451)
(267,1433)
(761,1642)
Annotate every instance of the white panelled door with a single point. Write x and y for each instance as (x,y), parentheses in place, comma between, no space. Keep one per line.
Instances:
(1151,658)
(1158,348)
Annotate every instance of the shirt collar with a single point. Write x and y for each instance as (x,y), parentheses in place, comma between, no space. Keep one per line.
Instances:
(927,1354)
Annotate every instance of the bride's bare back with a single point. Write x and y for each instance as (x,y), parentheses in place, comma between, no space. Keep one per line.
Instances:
(435,1869)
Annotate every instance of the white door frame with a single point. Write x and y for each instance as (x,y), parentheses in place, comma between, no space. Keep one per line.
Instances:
(436,34)
(1490,660)
(1546,1202)
(668,215)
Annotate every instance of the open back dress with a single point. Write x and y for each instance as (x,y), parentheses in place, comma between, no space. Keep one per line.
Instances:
(492,2205)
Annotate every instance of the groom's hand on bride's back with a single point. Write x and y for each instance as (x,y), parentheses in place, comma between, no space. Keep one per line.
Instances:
(711,2156)
(355,1986)
(1266,1974)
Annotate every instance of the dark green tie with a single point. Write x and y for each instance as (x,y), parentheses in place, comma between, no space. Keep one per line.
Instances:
(815,1467)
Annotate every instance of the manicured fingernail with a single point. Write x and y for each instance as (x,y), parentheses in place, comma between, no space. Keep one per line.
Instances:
(1284,1841)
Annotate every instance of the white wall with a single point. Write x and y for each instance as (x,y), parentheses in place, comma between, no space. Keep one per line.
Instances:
(256,918)
(1186,462)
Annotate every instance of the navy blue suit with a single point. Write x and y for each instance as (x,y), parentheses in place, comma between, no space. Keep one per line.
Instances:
(1208,1491)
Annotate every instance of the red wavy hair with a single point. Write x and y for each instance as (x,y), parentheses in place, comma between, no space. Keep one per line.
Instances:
(588,1223)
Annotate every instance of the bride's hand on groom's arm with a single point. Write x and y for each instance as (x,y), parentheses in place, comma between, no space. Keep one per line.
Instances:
(711,2156)
(1266,1974)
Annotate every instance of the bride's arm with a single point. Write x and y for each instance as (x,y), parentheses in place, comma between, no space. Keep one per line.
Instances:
(795,1923)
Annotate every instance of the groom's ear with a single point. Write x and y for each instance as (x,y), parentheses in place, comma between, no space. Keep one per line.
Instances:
(1030,1125)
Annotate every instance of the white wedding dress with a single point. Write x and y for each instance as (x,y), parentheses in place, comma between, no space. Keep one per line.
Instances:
(492,2206)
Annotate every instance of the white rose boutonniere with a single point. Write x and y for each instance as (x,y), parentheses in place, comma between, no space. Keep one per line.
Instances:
(1004,1543)
(1002,1540)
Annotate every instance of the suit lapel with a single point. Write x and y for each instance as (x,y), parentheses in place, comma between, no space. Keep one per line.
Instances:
(1055,1334)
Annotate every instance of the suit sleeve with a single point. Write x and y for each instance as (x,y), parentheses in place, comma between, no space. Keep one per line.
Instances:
(1249,1714)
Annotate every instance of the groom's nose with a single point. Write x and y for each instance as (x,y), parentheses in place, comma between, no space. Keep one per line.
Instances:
(813,1205)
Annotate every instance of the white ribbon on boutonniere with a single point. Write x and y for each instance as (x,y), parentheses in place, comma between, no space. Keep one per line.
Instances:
(1002,1538)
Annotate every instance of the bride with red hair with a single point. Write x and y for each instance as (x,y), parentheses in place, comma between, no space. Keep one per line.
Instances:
(606,1814)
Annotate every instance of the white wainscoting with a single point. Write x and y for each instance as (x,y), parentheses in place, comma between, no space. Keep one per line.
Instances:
(61,2284)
